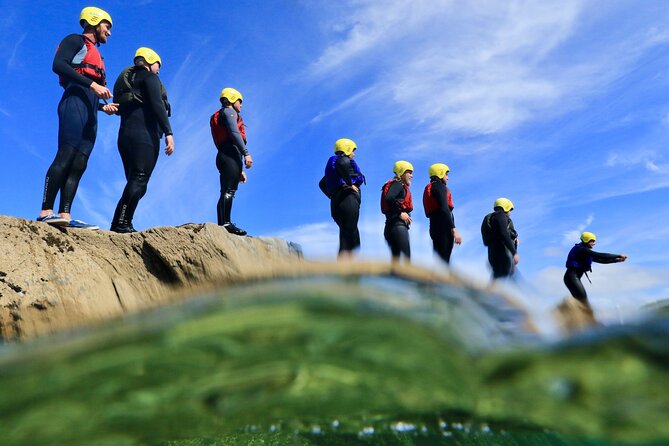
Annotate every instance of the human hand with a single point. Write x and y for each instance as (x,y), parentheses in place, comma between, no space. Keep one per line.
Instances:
(355,188)
(242,177)
(456,237)
(623,257)
(100,91)
(406,218)
(248,161)
(516,259)
(110,109)
(169,144)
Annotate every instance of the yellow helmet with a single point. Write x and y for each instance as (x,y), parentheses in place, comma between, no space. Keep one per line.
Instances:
(231,95)
(401,167)
(503,203)
(149,55)
(92,16)
(587,236)
(438,170)
(345,145)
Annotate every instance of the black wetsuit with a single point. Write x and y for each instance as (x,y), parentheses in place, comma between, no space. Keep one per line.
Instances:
(501,244)
(77,127)
(442,222)
(229,164)
(396,232)
(579,262)
(142,127)
(345,206)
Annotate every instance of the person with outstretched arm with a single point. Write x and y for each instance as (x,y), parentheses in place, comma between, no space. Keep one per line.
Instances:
(579,262)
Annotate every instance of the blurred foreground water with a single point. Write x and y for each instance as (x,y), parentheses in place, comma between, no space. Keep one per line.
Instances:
(339,361)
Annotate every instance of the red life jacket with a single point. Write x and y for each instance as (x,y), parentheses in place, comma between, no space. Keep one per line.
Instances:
(220,133)
(430,202)
(405,206)
(91,65)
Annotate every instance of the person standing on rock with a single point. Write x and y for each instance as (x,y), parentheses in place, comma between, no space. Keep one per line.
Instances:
(81,73)
(229,134)
(438,206)
(396,205)
(145,112)
(341,183)
(501,238)
(579,262)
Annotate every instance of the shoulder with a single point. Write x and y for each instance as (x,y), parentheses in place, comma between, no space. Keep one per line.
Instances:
(229,112)
(72,40)
(343,160)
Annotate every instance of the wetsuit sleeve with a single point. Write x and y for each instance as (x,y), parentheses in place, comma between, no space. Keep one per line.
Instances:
(439,192)
(394,199)
(604,257)
(499,222)
(67,49)
(155,100)
(230,123)
(343,168)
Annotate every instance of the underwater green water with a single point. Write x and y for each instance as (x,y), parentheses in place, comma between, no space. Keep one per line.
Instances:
(332,361)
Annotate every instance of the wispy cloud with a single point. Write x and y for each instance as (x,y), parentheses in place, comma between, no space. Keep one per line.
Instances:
(13,61)
(571,237)
(478,67)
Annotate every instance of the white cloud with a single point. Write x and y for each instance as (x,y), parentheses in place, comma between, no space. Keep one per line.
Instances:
(572,236)
(478,67)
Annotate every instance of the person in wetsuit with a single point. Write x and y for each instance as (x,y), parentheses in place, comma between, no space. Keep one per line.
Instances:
(144,114)
(81,72)
(579,262)
(341,183)
(501,238)
(229,134)
(438,206)
(396,205)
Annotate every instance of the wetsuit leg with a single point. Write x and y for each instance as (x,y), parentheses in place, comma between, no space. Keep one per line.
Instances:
(71,185)
(139,160)
(230,170)
(345,210)
(77,129)
(572,279)
(397,236)
(500,260)
(442,242)
(57,174)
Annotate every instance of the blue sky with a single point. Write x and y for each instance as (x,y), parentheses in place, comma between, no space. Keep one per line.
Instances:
(561,106)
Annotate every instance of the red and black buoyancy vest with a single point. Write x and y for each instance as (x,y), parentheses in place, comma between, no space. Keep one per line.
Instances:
(220,133)
(88,62)
(430,204)
(406,205)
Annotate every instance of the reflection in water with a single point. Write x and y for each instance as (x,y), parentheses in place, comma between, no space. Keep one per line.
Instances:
(338,361)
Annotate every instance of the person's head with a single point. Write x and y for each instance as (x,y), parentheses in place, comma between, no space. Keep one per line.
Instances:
(149,59)
(588,238)
(439,171)
(97,22)
(230,97)
(403,171)
(504,204)
(345,146)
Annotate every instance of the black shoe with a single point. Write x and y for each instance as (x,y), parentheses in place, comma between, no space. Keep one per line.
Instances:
(123,229)
(232,229)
